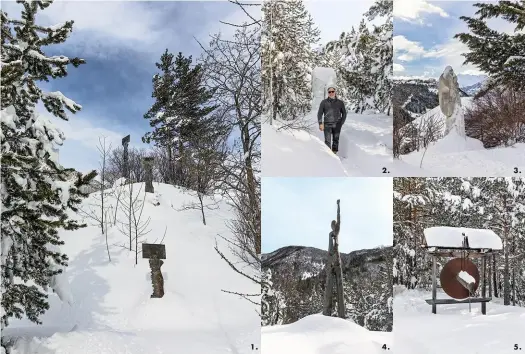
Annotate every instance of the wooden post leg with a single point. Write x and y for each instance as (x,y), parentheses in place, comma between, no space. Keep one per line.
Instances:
(329,285)
(434,283)
(483,294)
(341,312)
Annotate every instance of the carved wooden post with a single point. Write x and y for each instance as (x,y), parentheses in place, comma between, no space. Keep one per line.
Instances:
(148,166)
(125,163)
(156,253)
(334,268)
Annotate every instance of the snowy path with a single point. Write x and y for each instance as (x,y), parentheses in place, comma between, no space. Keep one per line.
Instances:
(319,334)
(365,144)
(453,330)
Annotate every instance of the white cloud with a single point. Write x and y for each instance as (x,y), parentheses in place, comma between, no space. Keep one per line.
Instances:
(398,68)
(450,53)
(407,50)
(402,44)
(103,28)
(412,10)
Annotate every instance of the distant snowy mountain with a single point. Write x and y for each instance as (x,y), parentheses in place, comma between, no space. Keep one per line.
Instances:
(298,274)
(415,95)
(473,89)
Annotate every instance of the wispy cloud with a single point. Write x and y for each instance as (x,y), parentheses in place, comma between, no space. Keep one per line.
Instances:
(415,10)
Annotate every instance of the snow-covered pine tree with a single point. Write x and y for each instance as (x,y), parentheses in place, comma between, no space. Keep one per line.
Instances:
(287,58)
(36,190)
(411,205)
(179,115)
(499,54)
(382,54)
(163,134)
(364,65)
(340,55)
(272,302)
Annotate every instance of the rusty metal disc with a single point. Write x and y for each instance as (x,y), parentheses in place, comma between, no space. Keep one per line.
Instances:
(449,282)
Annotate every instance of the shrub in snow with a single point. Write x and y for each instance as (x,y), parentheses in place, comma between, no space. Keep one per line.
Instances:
(497,118)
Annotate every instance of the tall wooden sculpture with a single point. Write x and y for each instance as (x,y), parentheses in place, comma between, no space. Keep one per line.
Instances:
(334,270)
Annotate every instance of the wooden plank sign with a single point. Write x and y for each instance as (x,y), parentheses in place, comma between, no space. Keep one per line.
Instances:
(152,250)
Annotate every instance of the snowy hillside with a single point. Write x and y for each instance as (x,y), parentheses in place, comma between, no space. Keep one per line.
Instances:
(455,156)
(365,144)
(111,310)
(455,330)
(318,334)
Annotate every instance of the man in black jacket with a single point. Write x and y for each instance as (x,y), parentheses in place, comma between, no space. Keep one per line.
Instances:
(334,113)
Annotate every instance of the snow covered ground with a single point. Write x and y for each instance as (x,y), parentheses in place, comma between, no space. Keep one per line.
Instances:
(365,144)
(453,330)
(318,334)
(453,156)
(112,311)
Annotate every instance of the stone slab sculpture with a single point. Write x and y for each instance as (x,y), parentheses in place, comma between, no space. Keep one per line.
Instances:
(450,101)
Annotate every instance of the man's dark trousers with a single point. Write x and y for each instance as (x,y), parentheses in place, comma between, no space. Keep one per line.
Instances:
(331,135)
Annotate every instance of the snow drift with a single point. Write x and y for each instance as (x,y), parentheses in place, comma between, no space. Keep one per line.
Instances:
(318,334)
(111,310)
(455,156)
(454,330)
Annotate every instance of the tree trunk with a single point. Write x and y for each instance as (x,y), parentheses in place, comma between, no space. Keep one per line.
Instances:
(202,207)
(339,280)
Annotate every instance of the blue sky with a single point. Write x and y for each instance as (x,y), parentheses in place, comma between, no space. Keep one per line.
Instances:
(423,38)
(121,41)
(298,211)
